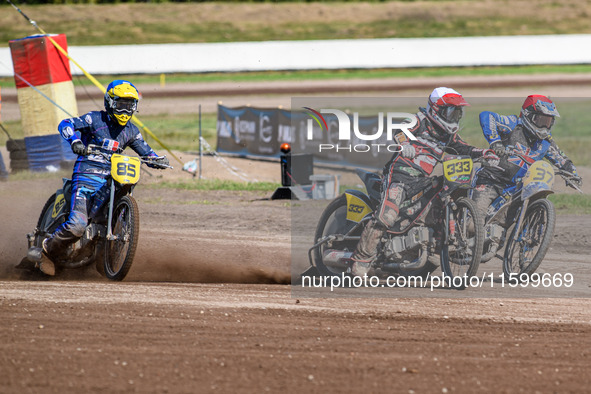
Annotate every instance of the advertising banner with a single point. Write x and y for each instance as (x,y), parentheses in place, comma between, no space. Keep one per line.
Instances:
(252,131)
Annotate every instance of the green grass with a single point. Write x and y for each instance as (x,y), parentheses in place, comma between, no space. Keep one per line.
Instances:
(172,22)
(161,200)
(571,132)
(32,176)
(216,184)
(571,203)
(178,132)
(14,128)
(256,76)
(181,131)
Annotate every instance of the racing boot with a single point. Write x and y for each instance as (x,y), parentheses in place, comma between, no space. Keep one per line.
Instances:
(38,256)
(360,268)
(53,248)
(367,248)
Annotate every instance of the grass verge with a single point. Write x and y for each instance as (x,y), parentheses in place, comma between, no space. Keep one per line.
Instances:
(266,76)
(216,184)
(175,22)
(571,203)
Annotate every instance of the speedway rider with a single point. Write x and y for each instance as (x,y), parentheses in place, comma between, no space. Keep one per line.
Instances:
(110,130)
(528,133)
(406,174)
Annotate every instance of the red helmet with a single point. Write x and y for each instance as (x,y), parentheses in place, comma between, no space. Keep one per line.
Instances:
(537,115)
(445,108)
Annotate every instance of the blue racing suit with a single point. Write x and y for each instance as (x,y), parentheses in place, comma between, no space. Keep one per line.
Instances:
(510,132)
(90,172)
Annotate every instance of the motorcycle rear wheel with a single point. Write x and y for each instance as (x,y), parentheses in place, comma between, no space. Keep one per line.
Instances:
(125,226)
(464,257)
(45,217)
(525,255)
(333,221)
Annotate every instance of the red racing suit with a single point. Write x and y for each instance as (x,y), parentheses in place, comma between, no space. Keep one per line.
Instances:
(404,177)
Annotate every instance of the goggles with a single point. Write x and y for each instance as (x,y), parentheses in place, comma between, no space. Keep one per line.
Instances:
(542,121)
(124,105)
(452,114)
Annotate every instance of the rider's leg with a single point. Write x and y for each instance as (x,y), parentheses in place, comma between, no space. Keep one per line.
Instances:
(73,228)
(483,196)
(392,196)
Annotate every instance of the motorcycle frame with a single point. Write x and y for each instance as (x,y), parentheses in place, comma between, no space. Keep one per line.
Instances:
(123,190)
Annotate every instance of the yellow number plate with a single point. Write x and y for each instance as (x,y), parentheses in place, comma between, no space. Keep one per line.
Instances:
(58,205)
(541,172)
(357,209)
(458,170)
(125,169)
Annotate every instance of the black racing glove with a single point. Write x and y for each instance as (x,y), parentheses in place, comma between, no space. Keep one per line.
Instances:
(79,148)
(576,179)
(499,148)
(158,162)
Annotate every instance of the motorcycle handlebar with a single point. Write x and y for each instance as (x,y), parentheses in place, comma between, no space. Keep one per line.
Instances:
(570,179)
(92,149)
(439,160)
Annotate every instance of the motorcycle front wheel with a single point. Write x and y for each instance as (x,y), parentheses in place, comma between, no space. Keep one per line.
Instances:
(334,221)
(462,251)
(120,251)
(524,254)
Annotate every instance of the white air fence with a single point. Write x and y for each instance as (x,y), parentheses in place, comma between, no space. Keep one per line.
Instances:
(326,54)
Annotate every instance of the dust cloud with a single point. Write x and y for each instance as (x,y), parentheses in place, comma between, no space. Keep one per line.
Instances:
(174,265)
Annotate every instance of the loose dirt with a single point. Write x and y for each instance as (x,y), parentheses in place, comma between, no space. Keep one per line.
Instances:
(206,308)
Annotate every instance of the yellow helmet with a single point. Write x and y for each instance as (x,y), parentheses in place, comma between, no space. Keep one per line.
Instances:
(121,100)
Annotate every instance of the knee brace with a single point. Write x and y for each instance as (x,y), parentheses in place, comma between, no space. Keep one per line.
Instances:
(392,197)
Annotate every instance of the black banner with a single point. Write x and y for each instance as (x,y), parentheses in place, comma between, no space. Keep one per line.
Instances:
(260,132)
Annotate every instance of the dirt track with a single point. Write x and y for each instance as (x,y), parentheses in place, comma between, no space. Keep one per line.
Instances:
(171,328)
(205,308)
(139,337)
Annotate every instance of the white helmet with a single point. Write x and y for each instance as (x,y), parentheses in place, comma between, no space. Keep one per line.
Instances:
(445,108)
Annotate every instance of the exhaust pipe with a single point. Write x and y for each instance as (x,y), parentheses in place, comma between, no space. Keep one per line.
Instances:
(336,258)
(409,265)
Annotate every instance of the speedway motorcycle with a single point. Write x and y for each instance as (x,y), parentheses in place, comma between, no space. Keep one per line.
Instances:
(439,219)
(111,236)
(523,207)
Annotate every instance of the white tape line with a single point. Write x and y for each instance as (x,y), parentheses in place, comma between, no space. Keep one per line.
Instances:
(233,170)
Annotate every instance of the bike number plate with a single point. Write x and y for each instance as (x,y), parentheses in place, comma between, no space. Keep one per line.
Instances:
(357,209)
(458,169)
(58,206)
(125,169)
(541,173)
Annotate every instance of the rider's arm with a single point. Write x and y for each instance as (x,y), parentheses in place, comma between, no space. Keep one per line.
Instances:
(71,129)
(139,145)
(463,148)
(557,157)
(494,125)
